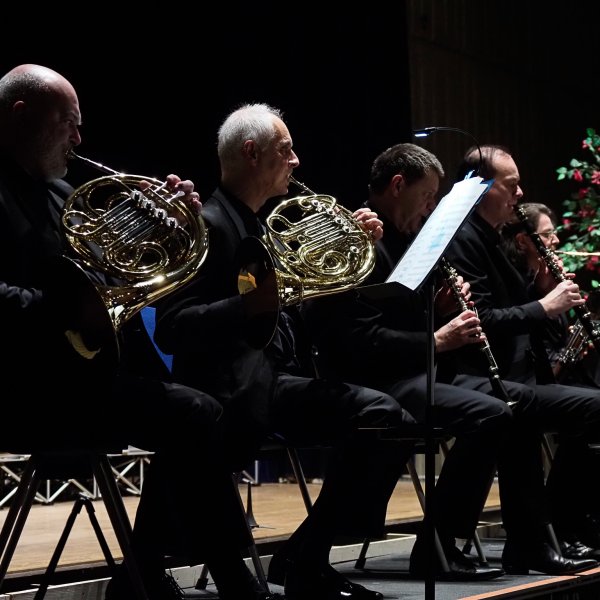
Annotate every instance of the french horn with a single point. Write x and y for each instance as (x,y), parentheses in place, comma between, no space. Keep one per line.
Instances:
(312,246)
(143,240)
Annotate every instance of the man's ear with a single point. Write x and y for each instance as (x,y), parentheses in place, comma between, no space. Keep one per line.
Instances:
(398,182)
(521,241)
(19,108)
(250,149)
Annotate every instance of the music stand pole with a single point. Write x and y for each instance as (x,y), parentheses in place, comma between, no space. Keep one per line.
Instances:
(430,450)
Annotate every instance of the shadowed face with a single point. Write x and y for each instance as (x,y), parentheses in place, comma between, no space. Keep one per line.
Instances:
(277,161)
(51,130)
(497,205)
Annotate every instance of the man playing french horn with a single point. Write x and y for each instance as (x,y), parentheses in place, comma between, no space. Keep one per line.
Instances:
(262,381)
(79,405)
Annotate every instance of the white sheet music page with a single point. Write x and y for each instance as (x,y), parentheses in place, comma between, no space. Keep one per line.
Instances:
(437,232)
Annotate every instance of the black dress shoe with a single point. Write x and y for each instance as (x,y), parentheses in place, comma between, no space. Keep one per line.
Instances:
(280,566)
(520,559)
(461,567)
(578,550)
(588,532)
(253,596)
(159,586)
(237,588)
(328,584)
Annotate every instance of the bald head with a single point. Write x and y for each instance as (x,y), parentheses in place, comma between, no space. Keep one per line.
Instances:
(39,120)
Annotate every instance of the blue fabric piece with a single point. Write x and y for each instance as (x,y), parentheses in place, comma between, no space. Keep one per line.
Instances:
(149,318)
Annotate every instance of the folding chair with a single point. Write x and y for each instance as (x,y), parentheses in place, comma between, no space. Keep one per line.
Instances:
(61,464)
(149,320)
(441,440)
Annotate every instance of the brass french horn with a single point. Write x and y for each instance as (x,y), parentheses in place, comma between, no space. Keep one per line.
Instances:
(141,237)
(313,246)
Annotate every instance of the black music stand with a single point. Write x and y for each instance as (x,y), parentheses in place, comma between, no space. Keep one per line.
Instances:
(414,271)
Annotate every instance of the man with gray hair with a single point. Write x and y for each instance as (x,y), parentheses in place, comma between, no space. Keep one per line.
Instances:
(269,388)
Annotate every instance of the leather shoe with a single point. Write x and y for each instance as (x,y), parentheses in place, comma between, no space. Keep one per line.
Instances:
(577,550)
(253,589)
(589,531)
(461,567)
(253,596)
(159,586)
(520,559)
(328,584)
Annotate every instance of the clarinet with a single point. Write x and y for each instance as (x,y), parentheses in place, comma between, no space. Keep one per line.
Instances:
(581,312)
(498,387)
(573,351)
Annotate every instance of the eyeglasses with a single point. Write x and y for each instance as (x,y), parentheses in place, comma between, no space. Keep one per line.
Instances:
(548,234)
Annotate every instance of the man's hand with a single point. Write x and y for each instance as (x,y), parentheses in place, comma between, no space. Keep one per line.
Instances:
(182,188)
(369,222)
(462,330)
(186,186)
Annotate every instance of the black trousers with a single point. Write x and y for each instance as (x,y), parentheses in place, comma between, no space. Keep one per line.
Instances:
(189,505)
(572,412)
(188,501)
(478,423)
(362,471)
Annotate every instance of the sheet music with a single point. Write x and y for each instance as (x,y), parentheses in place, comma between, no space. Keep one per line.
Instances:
(437,232)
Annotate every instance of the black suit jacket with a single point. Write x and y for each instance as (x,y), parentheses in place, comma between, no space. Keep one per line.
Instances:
(30,241)
(367,340)
(203,325)
(512,321)
(34,309)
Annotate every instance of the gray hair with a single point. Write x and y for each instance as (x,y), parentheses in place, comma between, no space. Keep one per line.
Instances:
(248,122)
(21,85)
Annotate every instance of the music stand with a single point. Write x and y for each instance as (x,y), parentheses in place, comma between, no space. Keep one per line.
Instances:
(413,272)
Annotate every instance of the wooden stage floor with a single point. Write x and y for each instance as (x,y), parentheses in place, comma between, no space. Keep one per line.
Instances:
(277,508)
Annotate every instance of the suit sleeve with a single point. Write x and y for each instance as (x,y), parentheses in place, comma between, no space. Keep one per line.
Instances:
(488,287)
(206,312)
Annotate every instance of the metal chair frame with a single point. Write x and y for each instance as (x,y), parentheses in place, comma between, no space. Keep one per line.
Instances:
(50,464)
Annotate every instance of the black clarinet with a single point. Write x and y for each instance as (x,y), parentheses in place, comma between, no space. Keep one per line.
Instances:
(581,312)
(498,387)
(573,351)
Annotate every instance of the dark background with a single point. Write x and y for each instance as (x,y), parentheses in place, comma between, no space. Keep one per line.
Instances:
(155,83)
(153,91)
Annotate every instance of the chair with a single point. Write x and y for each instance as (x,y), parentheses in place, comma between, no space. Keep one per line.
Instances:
(441,441)
(149,320)
(61,464)
(416,433)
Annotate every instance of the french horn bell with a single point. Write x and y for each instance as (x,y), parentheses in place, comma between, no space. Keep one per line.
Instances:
(143,240)
(313,246)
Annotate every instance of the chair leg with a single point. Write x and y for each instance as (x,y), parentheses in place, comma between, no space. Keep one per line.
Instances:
(361,561)
(412,470)
(300,478)
(202,581)
(51,569)
(256,562)
(119,520)
(483,561)
(17,515)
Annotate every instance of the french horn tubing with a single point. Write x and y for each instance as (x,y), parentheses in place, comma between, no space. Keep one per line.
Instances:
(142,237)
(313,245)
